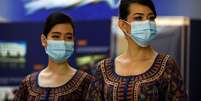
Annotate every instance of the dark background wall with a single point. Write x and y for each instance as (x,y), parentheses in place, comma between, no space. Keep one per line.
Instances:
(195,61)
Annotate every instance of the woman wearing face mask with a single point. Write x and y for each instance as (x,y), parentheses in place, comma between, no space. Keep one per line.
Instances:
(140,73)
(58,81)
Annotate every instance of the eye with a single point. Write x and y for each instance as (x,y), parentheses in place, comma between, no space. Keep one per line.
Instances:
(69,37)
(55,36)
(152,18)
(138,18)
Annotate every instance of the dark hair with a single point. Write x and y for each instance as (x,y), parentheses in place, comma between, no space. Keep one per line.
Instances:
(125,4)
(54,19)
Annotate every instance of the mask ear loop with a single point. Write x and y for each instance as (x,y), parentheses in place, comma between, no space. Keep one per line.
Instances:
(126,33)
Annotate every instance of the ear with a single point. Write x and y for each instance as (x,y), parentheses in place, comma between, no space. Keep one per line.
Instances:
(43,40)
(124,26)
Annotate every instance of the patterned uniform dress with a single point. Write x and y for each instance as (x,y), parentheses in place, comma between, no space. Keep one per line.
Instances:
(162,82)
(81,87)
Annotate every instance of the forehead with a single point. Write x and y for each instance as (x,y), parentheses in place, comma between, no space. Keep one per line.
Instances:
(63,28)
(139,8)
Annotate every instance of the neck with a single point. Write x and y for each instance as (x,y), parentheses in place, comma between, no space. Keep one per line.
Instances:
(134,52)
(58,68)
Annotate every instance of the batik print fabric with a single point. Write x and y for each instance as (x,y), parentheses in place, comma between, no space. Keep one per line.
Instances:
(162,82)
(80,88)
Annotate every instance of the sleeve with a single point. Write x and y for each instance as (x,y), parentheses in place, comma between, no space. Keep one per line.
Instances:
(93,93)
(176,90)
(99,78)
(22,92)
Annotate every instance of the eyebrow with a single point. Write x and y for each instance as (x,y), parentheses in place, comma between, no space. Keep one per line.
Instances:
(58,33)
(151,14)
(69,33)
(143,14)
(138,14)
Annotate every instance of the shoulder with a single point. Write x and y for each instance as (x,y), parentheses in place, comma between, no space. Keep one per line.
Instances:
(101,67)
(171,63)
(25,84)
(88,77)
(86,80)
(29,78)
(171,68)
(85,77)
(166,60)
(104,64)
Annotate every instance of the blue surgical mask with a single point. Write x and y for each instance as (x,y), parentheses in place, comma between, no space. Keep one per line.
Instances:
(59,50)
(143,32)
